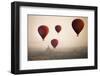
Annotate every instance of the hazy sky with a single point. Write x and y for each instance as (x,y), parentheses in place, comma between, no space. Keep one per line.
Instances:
(67,37)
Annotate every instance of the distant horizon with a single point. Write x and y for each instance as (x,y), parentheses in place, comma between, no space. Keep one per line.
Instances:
(70,54)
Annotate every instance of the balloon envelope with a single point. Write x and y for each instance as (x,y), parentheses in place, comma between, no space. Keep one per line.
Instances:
(58,28)
(43,31)
(77,25)
(54,42)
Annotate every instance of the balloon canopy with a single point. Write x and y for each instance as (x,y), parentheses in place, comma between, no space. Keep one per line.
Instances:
(54,42)
(58,28)
(77,25)
(43,31)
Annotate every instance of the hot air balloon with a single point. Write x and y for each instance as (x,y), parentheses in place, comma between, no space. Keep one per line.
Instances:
(77,25)
(43,31)
(54,42)
(58,28)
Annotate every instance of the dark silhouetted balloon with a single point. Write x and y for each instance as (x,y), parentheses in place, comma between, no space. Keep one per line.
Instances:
(54,42)
(43,31)
(77,25)
(58,28)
